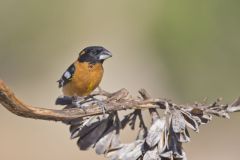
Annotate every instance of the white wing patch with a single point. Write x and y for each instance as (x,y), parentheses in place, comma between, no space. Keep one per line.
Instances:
(67,75)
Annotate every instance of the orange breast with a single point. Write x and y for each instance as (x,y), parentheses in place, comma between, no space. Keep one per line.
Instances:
(85,79)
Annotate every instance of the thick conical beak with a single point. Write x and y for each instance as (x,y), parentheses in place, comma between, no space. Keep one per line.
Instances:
(105,55)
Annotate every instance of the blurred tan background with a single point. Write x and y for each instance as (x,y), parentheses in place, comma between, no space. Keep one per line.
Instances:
(183,50)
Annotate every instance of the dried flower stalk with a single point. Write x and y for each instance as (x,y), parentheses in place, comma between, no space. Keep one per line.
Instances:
(163,140)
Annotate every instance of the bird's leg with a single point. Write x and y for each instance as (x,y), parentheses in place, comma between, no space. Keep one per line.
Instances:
(78,102)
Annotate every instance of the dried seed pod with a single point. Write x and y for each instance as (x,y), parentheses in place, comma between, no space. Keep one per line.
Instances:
(184,137)
(134,154)
(104,144)
(178,122)
(126,148)
(155,132)
(163,142)
(190,121)
(196,111)
(110,139)
(75,133)
(174,147)
(90,124)
(205,118)
(116,143)
(90,138)
(72,128)
(152,155)
(84,127)
(219,113)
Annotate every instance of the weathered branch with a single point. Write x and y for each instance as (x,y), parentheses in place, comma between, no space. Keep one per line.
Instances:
(115,102)
(163,140)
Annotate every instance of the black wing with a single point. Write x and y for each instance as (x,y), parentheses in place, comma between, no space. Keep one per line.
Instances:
(67,76)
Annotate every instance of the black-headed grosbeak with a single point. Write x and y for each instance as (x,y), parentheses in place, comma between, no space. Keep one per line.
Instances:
(85,74)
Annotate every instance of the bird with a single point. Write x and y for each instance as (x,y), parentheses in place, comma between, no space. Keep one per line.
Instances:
(84,75)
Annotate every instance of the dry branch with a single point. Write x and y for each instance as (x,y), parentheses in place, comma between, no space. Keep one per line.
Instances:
(115,102)
(162,140)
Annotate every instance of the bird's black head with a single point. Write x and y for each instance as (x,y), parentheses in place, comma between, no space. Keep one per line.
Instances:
(94,54)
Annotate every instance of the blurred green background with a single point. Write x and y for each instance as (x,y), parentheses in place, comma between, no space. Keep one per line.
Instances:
(182,50)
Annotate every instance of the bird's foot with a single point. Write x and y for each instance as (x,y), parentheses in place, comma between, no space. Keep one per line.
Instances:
(78,102)
(83,103)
